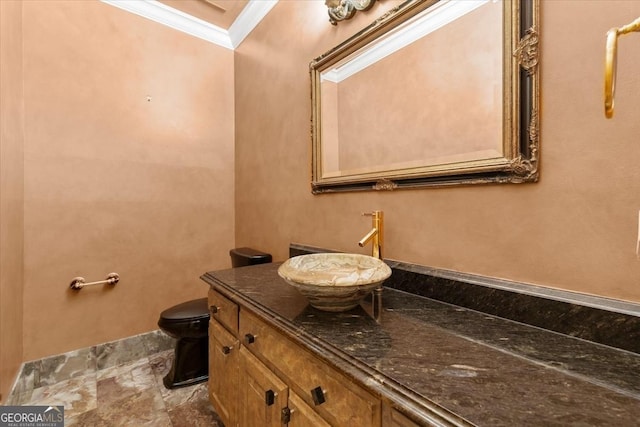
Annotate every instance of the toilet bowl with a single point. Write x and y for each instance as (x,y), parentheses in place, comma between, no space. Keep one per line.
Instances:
(188,323)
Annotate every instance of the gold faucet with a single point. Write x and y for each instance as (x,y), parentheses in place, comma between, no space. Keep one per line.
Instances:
(375,235)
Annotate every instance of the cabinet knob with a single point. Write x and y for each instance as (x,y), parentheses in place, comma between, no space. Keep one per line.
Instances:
(226,349)
(270,397)
(213,309)
(318,395)
(285,415)
(250,338)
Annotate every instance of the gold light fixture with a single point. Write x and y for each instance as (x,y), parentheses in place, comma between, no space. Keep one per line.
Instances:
(611,60)
(345,9)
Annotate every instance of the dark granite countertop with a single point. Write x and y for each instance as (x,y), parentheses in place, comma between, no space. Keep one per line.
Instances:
(423,355)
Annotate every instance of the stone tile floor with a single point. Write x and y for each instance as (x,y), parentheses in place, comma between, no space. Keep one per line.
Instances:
(117,391)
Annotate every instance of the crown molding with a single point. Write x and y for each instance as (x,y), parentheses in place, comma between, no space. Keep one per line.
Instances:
(248,19)
(441,14)
(158,12)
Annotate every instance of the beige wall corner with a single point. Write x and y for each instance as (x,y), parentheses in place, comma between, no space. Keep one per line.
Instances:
(11,193)
(128,168)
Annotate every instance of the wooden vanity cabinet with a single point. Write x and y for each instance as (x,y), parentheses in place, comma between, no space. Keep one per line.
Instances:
(260,377)
(262,395)
(224,358)
(302,415)
(224,311)
(394,418)
(224,364)
(336,398)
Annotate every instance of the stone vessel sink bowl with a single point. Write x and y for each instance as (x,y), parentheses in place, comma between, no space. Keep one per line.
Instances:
(334,281)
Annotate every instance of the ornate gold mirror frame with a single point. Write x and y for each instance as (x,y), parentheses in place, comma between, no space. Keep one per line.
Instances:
(345,9)
(517,146)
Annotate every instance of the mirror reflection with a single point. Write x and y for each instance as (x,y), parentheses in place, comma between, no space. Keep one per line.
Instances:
(424,96)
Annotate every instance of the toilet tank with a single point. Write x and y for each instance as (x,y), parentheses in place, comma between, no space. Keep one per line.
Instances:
(241,257)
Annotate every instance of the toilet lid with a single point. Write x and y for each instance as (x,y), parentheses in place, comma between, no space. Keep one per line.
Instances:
(190,310)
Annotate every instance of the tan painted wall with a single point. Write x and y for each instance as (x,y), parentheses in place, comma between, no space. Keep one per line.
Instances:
(11,193)
(576,229)
(117,182)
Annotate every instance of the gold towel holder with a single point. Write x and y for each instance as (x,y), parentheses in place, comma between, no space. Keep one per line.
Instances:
(611,61)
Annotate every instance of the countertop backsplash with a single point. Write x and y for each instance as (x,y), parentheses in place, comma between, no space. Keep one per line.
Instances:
(605,321)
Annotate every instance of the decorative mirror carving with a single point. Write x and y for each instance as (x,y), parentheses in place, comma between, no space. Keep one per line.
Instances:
(433,93)
(345,9)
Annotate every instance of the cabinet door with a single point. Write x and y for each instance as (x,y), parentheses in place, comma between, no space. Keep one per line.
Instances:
(263,395)
(302,415)
(223,373)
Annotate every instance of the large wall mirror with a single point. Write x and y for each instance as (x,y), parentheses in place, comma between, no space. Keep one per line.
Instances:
(433,93)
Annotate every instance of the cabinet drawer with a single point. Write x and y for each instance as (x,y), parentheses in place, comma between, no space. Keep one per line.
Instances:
(334,396)
(224,311)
